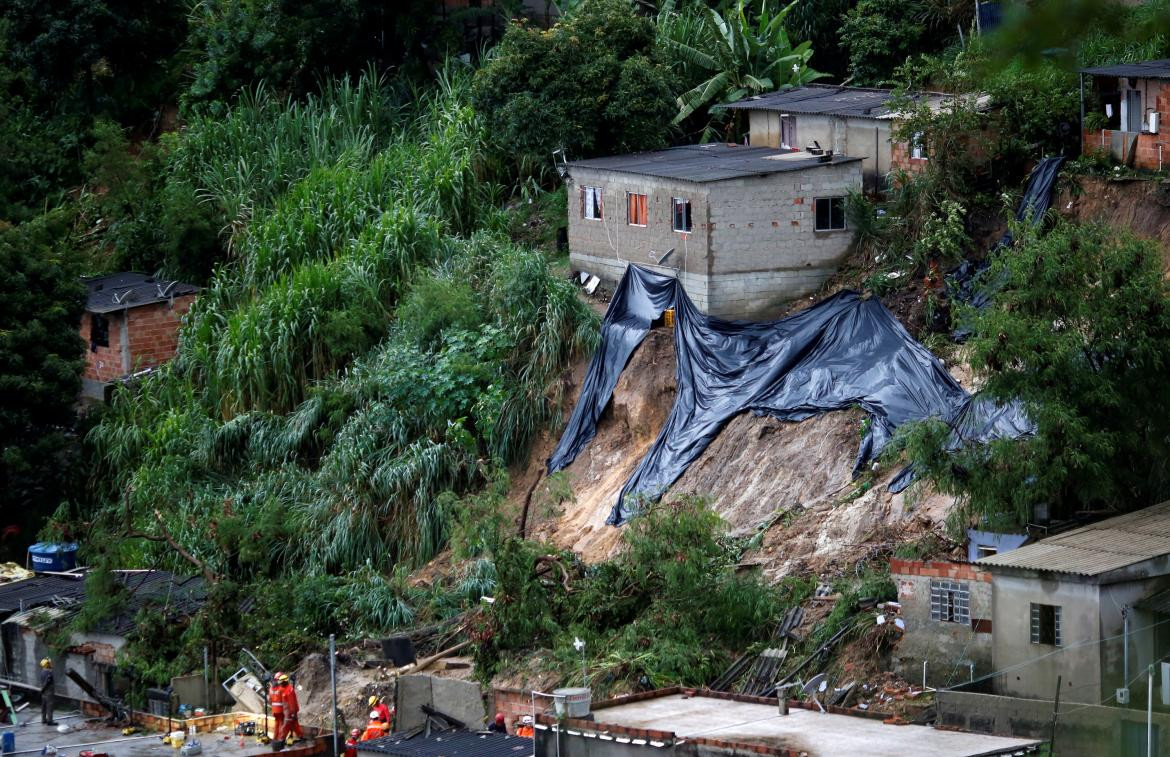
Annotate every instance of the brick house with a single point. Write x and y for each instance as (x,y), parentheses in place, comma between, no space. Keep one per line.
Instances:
(131,323)
(1123,110)
(947,608)
(745,229)
(856,121)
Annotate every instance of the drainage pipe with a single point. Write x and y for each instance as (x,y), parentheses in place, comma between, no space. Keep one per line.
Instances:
(91,743)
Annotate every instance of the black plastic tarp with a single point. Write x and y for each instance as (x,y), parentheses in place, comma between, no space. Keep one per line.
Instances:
(965,282)
(844,352)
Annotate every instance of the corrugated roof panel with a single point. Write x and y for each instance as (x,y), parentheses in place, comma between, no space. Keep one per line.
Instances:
(450,744)
(1150,69)
(710,162)
(1097,548)
(831,100)
(120,291)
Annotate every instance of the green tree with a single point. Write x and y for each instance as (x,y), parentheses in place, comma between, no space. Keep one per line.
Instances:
(40,362)
(1080,334)
(590,84)
(880,34)
(739,56)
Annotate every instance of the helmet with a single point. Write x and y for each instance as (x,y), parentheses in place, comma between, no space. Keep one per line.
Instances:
(526,720)
(46,662)
(373,700)
(374,715)
(355,732)
(282,677)
(500,718)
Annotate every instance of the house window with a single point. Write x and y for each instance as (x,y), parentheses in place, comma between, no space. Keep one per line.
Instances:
(1046,624)
(788,132)
(830,213)
(984,550)
(99,331)
(591,203)
(635,209)
(950,602)
(681,214)
(918,146)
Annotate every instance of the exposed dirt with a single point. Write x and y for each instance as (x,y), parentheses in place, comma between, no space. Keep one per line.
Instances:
(1139,205)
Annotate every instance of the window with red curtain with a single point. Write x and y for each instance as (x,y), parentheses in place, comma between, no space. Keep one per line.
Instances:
(636,209)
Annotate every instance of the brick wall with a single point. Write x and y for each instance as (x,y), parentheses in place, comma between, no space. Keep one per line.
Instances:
(103,363)
(900,159)
(154,332)
(1145,156)
(514,703)
(948,648)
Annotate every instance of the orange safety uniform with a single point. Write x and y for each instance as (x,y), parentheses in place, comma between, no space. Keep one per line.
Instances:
(292,711)
(276,701)
(375,730)
(526,731)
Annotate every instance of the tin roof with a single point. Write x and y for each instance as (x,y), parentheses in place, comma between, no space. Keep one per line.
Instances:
(449,744)
(1150,69)
(827,99)
(714,161)
(1095,549)
(121,291)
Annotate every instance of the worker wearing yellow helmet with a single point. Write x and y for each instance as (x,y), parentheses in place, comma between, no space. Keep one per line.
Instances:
(48,692)
(292,711)
(378,704)
(276,700)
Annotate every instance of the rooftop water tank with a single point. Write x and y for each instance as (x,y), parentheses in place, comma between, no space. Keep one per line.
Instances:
(49,556)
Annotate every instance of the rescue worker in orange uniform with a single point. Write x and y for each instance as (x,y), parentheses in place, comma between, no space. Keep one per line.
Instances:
(526,730)
(276,702)
(377,727)
(292,711)
(352,742)
(379,705)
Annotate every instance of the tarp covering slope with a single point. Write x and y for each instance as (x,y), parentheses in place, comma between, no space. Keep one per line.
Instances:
(843,352)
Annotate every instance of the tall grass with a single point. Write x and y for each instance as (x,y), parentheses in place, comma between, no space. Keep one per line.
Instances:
(303,428)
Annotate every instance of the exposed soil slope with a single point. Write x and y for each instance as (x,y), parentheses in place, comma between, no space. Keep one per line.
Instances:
(1141,206)
(791,480)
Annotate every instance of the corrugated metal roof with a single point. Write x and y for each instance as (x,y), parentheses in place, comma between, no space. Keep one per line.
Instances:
(120,291)
(450,744)
(39,591)
(825,99)
(1150,69)
(710,162)
(1095,549)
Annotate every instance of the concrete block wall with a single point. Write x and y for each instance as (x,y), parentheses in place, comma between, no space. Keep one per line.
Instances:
(753,246)
(765,250)
(947,648)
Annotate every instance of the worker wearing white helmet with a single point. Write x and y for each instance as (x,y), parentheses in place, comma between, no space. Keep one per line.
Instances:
(377,727)
(525,729)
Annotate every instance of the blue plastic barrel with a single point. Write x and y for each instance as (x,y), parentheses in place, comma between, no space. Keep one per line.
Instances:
(8,742)
(48,556)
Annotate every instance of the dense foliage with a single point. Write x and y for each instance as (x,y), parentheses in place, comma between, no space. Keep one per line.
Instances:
(1080,334)
(40,364)
(668,609)
(591,84)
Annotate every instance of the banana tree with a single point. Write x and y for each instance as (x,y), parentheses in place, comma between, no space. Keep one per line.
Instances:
(740,57)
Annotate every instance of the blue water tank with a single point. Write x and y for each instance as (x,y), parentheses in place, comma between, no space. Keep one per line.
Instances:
(8,742)
(48,556)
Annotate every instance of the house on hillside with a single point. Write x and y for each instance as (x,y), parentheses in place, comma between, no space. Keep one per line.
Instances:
(857,121)
(1122,112)
(131,323)
(31,609)
(745,229)
(1090,605)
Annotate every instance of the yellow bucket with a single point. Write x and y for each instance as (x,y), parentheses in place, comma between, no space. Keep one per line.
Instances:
(668,317)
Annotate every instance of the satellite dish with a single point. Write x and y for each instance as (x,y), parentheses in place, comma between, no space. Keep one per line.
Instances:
(658,260)
(814,685)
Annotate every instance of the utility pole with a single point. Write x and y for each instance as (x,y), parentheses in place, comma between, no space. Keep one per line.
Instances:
(1055,713)
(1150,713)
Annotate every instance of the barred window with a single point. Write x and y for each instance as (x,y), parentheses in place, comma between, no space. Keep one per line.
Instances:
(950,602)
(1046,624)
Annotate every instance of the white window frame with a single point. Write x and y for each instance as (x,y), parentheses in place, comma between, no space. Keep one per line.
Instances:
(789,144)
(675,202)
(844,221)
(918,147)
(595,192)
(1034,624)
(950,601)
(629,218)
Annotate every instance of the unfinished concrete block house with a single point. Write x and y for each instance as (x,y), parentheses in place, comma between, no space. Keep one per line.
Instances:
(745,229)
(1122,110)
(847,120)
(131,323)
